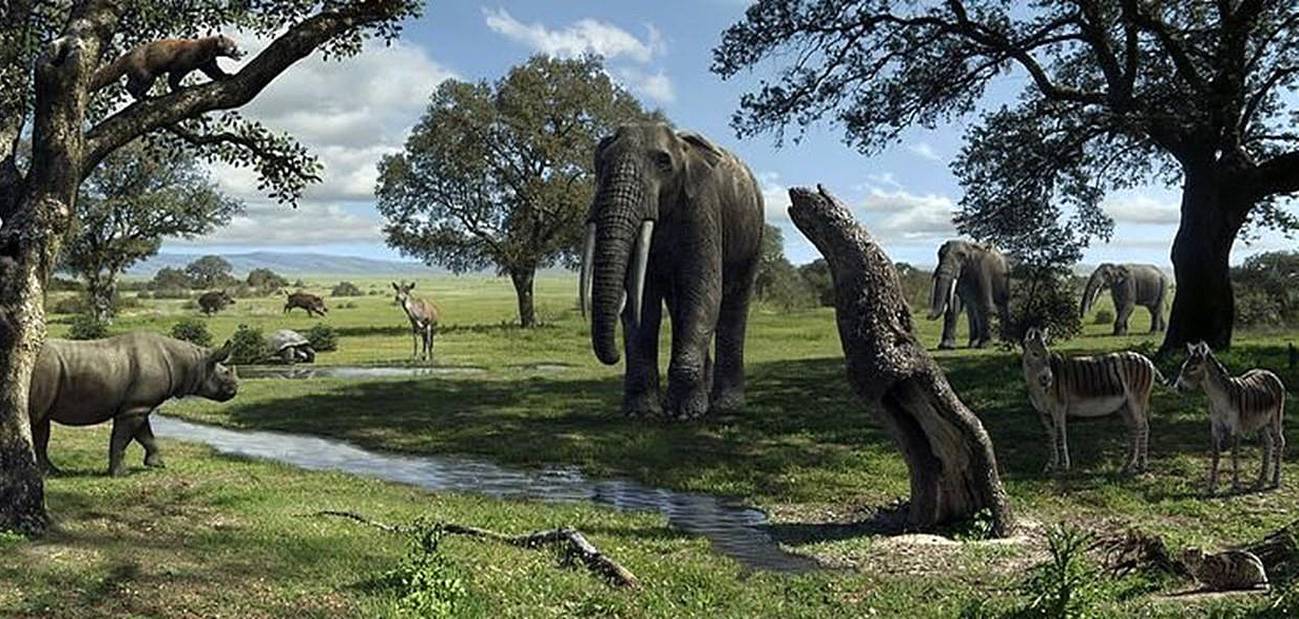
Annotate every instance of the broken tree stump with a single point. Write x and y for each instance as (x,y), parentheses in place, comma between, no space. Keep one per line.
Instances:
(949,455)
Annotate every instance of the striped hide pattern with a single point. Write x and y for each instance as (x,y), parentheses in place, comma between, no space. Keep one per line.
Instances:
(1239,405)
(1061,387)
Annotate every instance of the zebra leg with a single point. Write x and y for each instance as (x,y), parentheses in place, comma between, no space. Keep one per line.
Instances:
(1235,462)
(1054,459)
(1138,436)
(1267,443)
(1215,446)
(1278,447)
(1062,441)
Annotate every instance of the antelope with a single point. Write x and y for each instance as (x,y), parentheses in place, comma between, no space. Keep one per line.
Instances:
(1062,387)
(423,320)
(1251,402)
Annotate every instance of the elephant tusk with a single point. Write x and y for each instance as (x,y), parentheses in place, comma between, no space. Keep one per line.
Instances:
(586,280)
(951,294)
(639,267)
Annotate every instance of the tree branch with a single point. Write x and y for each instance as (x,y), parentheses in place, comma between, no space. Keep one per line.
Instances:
(1178,54)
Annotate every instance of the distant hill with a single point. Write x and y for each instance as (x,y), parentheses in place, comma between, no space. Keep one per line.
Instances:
(290,264)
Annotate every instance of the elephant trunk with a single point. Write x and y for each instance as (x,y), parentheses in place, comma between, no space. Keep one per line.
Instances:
(1095,284)
(617,217)
(941,295)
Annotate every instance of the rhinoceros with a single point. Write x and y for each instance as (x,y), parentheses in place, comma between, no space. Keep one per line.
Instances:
(123,378)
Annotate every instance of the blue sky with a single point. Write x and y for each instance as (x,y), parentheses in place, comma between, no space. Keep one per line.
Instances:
(353,112)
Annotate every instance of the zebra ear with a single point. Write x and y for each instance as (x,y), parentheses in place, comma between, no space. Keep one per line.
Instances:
(1046,333)
(1190,348)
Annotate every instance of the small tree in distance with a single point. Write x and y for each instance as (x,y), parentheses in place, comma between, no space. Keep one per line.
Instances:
(500,175)
(210,272)
(127,206)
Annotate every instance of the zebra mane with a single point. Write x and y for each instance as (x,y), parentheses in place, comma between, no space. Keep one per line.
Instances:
(1222,369)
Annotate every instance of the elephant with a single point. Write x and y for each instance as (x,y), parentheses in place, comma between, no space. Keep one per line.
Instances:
(975,278)
(675,221)
(1130,285)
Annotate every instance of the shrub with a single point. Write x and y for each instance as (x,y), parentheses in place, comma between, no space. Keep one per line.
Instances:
(346,289)
(323,337)
(1104,317)
(915,285)
(1041,297)
(817,276)
(190,304)
(1067,585)
(168,278)
(247,345)
(125,301)
(144,294)
(132,285)
(87,327)
(170,293)
(266,281)
(72,304)
(375,292)
(1256,309)
(780,285)
(65,284)
(192,330)
(346,305)
(425,582)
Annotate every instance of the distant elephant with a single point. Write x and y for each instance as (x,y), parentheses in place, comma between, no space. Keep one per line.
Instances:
(1130,285)
(675,220)
(974,278)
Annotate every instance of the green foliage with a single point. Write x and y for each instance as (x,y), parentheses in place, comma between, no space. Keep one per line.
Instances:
(817,276)
(87,327)
(323,337)
(426,583)
(71,304)
(778,283)
(1068,584)
(265,281)
(1267,289)
(1041,298)
(64,284)
(1104,317)
(210,272)
(192,330)
(248,346)
(915,285)
(171,280)
(346,289)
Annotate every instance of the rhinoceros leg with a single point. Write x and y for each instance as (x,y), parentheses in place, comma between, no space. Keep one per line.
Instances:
(124,427)
(144,436)
(41,443)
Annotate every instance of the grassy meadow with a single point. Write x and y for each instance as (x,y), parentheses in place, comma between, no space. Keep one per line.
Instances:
(218,536)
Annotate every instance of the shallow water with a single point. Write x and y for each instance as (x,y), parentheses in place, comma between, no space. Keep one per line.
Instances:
(299,372)
(734,529)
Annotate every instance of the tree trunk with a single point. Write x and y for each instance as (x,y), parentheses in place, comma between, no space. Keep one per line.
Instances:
(1204,305)
(522,279)
(949,455)
(101,288)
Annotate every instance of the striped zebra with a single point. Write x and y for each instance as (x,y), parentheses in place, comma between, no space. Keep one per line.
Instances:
(1062,387)
(1251,402)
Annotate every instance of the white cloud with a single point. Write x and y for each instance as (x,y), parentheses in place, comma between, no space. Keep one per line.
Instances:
(349,114)
(1141,209)
(582,37)
(901,215)
(655,86)
(923,150)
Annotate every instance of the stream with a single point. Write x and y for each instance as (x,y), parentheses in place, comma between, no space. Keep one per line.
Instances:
(735,530)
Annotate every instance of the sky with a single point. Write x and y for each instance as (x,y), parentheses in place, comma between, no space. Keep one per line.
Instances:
(350,113)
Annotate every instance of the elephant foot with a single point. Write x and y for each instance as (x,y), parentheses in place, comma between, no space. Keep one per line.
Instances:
(154,461)
(687,409)
(50,470)
(117,471)
(947,345)
(729,401)
(644,405)
(980,344)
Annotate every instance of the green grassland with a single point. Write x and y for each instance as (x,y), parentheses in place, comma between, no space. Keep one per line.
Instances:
(212,535)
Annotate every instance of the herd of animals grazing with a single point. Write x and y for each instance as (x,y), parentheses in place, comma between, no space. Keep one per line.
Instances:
(676,225)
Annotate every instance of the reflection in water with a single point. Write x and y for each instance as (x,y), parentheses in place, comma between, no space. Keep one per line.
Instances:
(352,372)
(733,529)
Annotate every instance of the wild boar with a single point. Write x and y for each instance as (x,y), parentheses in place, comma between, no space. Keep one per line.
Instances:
(307,301)
(212,302)
(123,378)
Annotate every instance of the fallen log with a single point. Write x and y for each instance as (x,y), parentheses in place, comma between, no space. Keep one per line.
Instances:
(573,547)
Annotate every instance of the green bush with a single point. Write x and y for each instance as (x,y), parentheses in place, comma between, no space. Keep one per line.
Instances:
(64,284)
(817,276)
(170,293)
(72,304)
(144,294)
(425,582)
(323,337)
(1068,584)
(87,327)
(346,289)
(1256,309)
(248,345)
(1041,297)
(1104,317)
(192,330)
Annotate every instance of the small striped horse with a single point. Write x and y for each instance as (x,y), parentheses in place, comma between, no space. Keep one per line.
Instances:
(1061,387)
(1251,402)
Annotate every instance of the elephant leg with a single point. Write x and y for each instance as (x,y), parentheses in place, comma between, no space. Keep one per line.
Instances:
(985,325)
(144,436)
(124,427)
(728,377)
(950,316)
(694,319)
(640,393)
(1157,324)
(975,323)
(1123,311)
(41,444)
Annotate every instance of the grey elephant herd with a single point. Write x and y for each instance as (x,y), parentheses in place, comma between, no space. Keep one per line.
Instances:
(975,279)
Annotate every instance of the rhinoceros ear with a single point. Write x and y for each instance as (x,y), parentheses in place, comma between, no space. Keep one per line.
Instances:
(220,354)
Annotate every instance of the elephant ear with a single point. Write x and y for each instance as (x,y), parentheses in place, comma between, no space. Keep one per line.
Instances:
(600,146)
(1121,275)
(701,157)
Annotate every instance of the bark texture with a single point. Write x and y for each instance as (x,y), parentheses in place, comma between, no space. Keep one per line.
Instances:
(523,280)
(949,454)
(1204,303)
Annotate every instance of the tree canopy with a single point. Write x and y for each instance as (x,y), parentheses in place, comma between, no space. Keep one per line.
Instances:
(1117,92)
(500,174)
(126,207)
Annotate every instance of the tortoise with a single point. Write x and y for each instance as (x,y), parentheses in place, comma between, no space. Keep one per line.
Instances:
(290,347)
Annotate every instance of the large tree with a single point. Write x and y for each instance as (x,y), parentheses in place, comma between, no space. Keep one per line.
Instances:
(48,53)
(500,175)
(1117,92)
(131,201)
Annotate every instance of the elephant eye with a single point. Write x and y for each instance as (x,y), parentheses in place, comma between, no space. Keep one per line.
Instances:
(663,160)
